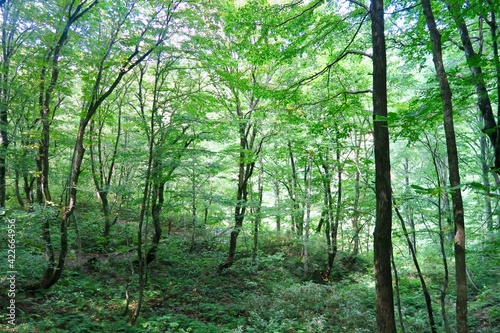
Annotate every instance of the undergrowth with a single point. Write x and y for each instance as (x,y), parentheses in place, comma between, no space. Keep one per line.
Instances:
(263,294)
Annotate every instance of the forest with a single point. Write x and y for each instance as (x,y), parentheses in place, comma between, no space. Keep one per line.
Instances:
(250,166)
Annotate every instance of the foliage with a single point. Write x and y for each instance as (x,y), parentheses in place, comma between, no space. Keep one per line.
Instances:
(214,89)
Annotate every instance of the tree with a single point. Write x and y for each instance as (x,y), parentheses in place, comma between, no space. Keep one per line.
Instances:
(72,13)
(454,173)
(49,77)
(12,38)
(382,236)
(240,83)
(100,91)
(483,99)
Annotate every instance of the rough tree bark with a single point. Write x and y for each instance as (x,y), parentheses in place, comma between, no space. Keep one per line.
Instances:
(382,236)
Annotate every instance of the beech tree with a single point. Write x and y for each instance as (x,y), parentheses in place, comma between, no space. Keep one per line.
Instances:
(382,236)
(454,173)
(242,127)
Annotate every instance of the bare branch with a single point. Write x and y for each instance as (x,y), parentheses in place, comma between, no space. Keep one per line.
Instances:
(360,4)
(342,55)
(310,8)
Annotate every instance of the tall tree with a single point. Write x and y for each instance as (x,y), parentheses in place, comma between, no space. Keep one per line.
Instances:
(250,147)
(382,236)
(454,174)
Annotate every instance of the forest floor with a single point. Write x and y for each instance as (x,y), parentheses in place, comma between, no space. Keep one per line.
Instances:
(98,291)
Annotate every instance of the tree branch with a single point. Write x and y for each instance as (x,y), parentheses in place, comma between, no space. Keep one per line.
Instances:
(343,54)
(310,8)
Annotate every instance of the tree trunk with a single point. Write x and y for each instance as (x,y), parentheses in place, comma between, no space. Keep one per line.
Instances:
(332,222)
(336,221)
(355,208)
(141,258)
(305,238)
(443,209)
(411,220)
(382,236)
(7,36)
(486,183)
(239,212)
(194,207)
(454,174)
(425,291)
(54,271)
(19,197)
(483,100)
(45,96)
(277,205)
(250,151)
(245,172)
(297,211)
(157,201)
(103,178)
(398,295)
(258,209)
(496,57)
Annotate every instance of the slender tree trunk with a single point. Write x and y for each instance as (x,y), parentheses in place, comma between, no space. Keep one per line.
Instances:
(382,236)
(239,216)
(355,218)
(496,57)
(258,209)
(103,178)
(194,207)
(157,201)
(297,211)
(277,205)
(425,291)
(326,217)
(486,183)
(305,238)
(454,174)
(443,209)
(245,171)
(46,90)
(446,278)
(28,189)
(205,215)
(142,260)
(338,209)
(398,295)
(333,223)
(19,197)
(411,220)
